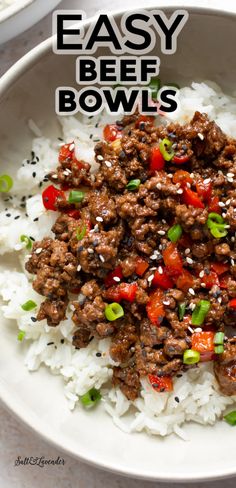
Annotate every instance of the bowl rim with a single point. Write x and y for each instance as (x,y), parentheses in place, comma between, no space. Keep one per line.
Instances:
(14,9)
(6,399)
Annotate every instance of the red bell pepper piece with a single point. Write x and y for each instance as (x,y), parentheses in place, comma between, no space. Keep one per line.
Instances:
(203,341)
(157,161)
(180,159)
(220,268)
(111,132)
(117,273)
(155,309)
(204,190)
(210,279)
(161,384)
(182,177)
(123,291)
(66,152)
(232,303)
(75,214)
(172,260)
(144,118)
(213,205)
(185,281)
(50,196)
(190,197)
(141,266)
(162,279)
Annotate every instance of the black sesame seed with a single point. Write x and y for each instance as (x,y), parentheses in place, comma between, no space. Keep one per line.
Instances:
(96,125)
(8,215)
(142,126)
(33,319)
(33,154)
(32,238)
(50,343)
(40,184)
(98,354)
(23,199)
(17,217)
(36,220)
(177,399)
(33,162)
(91,136)
(179,376)
(60,139)
(37,159)
(34,174)
(22,205)
(62,341)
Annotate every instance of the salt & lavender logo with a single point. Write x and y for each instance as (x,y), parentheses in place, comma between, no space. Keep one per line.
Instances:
(38,461)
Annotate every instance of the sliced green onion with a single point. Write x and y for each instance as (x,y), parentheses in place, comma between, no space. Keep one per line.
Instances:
(133,185)
(166,149)
(114,311)
(219,338)
(81,231)
(219,231)
(200,312)
(231,417)
(90,398)
(174,233)
(21,335)
(216,225)
(154,85)
(28,241)
(76,196)
(6,183)
(28,306)
(219,349)
(182,308)
(191,357)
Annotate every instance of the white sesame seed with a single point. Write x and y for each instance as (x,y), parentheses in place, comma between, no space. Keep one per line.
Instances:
(166,302)
(161,232)
(190,329)
(219,300)
(163,221)
(227,226)
(160,247)
(224,214)
(101,258)
(72,307)
(159,186)
(153,269)
(221,204)
(198,329)
(230,175)
(170,175)
(203,285)
(150,278)
(187,251)
(79,267)
(228,201)
(201,136)
(201,274)
(191,291)
(232,262)
(232,239)
(100,157)
(18,247)
(180,191)
(192,306)
(116,278)
(220,172)
(188,185)
(72,147)
(54,177)
(189,260)
(160,270)
(230,180)
(90,250)
(39,250)
(207,180)
(108,164)
(99,219)
(153,256)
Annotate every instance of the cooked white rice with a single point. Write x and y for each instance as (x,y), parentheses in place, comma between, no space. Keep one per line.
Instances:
(196,396)
(6,3)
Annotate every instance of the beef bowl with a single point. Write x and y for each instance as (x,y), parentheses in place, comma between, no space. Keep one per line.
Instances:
(117,263)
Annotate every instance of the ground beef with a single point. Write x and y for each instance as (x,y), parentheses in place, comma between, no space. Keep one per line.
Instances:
(117,238)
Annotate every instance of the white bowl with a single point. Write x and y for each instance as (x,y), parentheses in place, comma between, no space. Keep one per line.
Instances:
(22,15)
(27,91)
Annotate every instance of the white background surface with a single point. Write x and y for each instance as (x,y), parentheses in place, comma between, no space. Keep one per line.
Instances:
(15,439)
